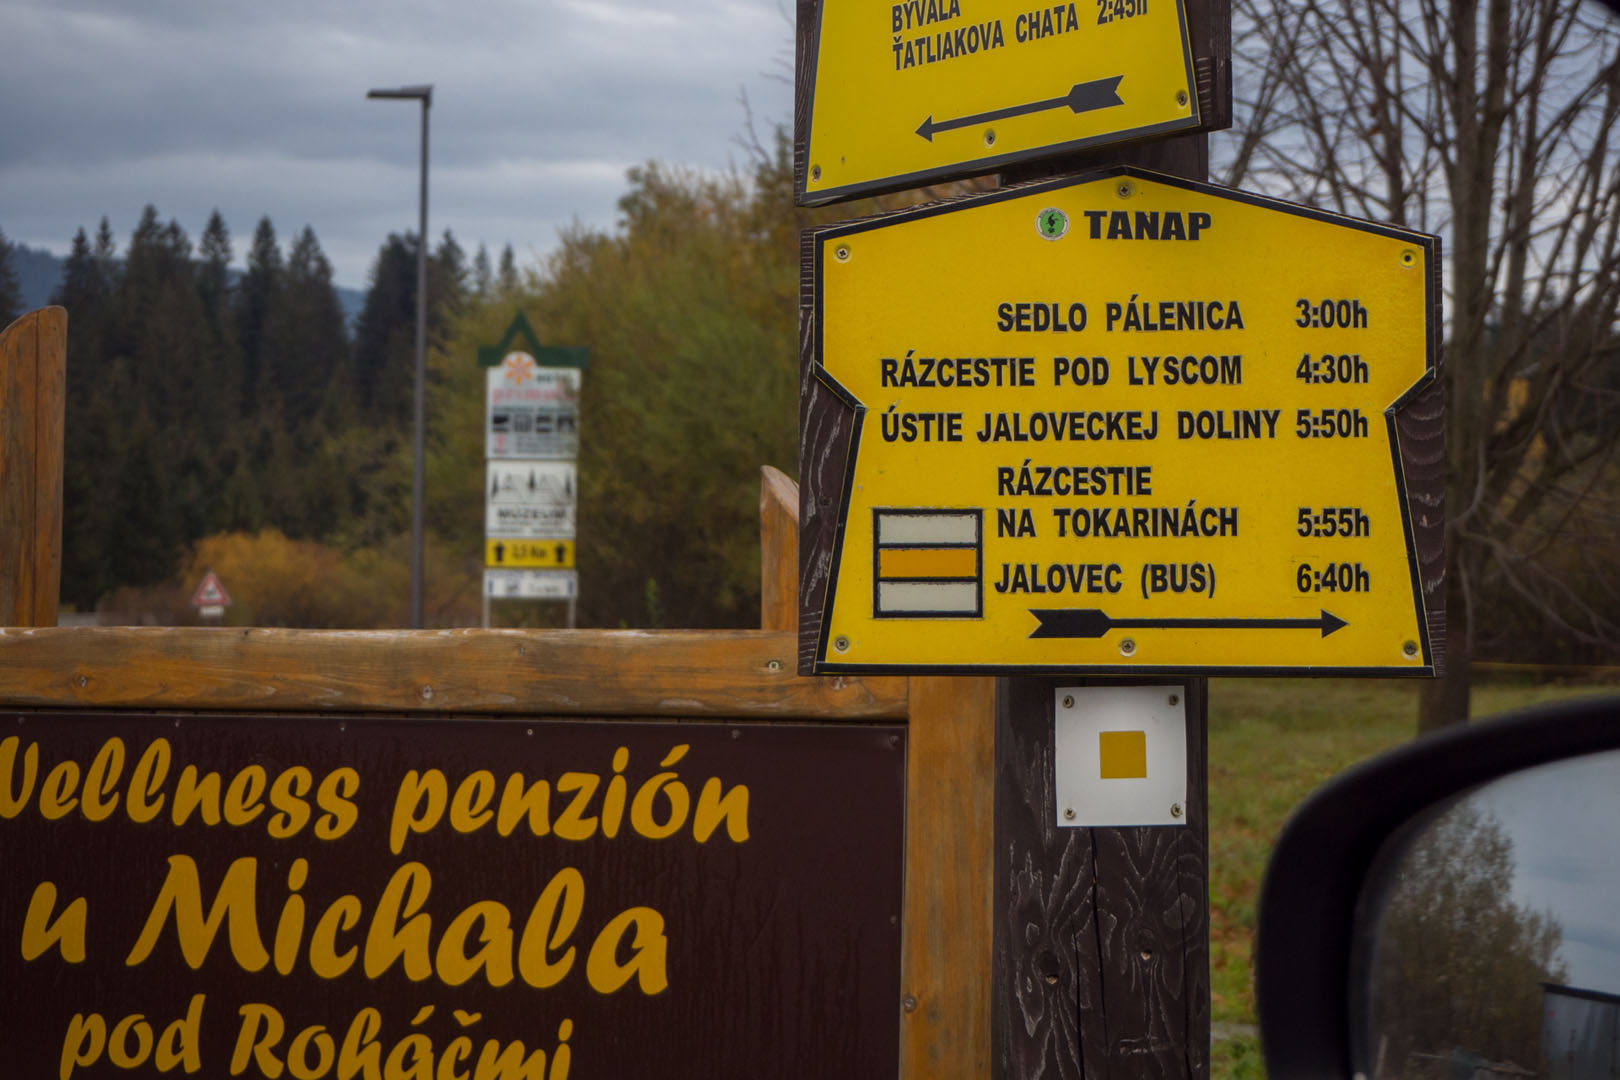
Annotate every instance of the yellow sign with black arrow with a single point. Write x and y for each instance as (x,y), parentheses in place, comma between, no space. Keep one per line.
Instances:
(916,91)
(555,554)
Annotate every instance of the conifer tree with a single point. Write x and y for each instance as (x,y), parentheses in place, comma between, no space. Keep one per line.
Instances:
(385,335)
(447,284)
(309,330)
(241,509)
(11,301)
(78,270)
(86,293)
(171,355)
(483,274)
(106,252)
(164,327)
(213,271)
(224,360)
(133,288)
(146,548)
(508,279)
(256,297)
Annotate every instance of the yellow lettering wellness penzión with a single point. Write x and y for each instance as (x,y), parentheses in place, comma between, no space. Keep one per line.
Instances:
(152,788)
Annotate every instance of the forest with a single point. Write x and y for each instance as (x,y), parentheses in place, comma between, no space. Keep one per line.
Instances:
(238,416)
(236,422)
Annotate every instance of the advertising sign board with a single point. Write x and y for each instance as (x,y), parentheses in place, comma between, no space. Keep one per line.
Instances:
(533,411)
(530,499)
(255,896)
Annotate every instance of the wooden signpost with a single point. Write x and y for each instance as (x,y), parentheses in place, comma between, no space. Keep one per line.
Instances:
(831,846)
(1006,397)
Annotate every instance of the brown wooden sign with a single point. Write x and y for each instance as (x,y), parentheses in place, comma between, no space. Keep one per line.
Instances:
(378,897)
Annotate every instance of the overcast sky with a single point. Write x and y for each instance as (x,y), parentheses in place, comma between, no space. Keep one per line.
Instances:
(259,108)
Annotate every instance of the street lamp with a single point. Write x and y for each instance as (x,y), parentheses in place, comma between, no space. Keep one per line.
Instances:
(424,94)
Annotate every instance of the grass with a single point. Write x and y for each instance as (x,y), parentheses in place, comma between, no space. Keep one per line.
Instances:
(1271,742)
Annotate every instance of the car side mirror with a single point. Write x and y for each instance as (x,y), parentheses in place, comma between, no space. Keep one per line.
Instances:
(1452,908)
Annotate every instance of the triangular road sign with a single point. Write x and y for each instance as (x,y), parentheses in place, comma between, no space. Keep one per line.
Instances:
(210,593)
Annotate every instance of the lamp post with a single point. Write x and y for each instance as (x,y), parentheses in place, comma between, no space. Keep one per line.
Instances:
(424,94)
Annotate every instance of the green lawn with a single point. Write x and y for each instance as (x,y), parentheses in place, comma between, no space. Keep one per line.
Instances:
(1271,742)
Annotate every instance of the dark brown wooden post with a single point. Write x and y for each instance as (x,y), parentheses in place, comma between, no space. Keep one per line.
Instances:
(1101,957)
(33,388)
(1101,954)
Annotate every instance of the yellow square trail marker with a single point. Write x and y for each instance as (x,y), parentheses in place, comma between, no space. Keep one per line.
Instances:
(1122,755)
(1121,423)
(912,92)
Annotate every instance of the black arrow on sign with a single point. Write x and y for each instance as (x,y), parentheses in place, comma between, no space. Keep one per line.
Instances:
(1082,97)
(1091,623)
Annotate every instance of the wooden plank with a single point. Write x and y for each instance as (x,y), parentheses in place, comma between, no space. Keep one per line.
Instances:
(685,673)
(33,387)
(1209,32)
(50,408)
(1153,934)
(1046,971)
(17,355)
(806,13)
(779,551)
(1421,430)
(827,430)
(945,958)
(1101,965)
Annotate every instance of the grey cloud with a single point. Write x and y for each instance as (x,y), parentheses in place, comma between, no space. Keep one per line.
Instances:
(260,109)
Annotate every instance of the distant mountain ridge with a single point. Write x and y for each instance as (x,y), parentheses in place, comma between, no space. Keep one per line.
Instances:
(39,272)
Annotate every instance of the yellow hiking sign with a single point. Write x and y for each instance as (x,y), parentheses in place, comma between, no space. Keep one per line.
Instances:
(1130,423)
(907,93)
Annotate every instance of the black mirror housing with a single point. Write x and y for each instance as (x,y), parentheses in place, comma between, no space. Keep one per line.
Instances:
(1307,943)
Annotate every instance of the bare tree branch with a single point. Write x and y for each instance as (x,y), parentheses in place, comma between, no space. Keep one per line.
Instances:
(1492,123)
